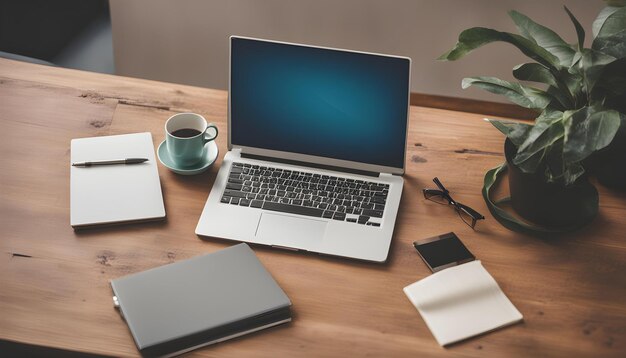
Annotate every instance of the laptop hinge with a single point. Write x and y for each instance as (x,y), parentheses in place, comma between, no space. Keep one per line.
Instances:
(386,174)
(312,165)
(285,248)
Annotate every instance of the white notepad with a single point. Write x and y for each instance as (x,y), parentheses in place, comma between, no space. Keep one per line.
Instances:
(111,194)
(461,302)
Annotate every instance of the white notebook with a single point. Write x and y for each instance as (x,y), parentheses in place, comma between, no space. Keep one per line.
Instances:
(461,302)
(111,194)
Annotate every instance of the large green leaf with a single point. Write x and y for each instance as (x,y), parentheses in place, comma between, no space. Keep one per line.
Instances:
(611,35)
(544,37)
(562,99)
(470,40)
(593,64)
(572,173)
(476,37)
(588,130)
(534,72)
(574,82)
(602,16)
(563,86)
(577,56)
(614,45)
(515,131)
(557,170)
(534,161)
(612,23)
(547,130)
(564,175)
(580,31)
(521,95)
(612,83)
(569,81)
(555,167)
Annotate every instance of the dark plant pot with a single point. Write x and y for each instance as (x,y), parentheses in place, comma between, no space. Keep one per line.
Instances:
(609,165)
(548,204)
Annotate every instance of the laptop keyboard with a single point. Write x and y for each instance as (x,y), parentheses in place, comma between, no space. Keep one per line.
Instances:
(290,191)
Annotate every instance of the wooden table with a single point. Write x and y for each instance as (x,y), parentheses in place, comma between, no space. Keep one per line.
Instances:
(54,287)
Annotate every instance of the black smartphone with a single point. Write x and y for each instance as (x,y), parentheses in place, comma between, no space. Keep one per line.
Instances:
(443,251)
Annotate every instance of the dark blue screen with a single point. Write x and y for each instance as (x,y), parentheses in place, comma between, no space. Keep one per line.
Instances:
(321,102)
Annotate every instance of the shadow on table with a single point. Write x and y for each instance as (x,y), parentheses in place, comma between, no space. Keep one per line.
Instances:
(14,349)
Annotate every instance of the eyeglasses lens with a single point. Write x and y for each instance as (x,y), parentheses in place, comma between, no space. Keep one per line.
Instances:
(467,218)
(436,197)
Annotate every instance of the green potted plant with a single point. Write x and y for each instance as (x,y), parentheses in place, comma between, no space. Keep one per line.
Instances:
(581,124)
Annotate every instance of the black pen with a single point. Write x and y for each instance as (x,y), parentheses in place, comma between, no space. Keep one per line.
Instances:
(111,162)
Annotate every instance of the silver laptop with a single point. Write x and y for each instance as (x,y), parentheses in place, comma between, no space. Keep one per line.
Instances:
(317,145)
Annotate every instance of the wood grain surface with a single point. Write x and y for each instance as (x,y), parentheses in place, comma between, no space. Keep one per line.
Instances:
(508,110)
(54,286)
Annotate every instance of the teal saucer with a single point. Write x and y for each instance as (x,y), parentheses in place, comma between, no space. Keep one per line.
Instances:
(209,158)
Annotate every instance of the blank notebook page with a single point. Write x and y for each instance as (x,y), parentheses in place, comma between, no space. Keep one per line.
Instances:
(106,194)
(461,302)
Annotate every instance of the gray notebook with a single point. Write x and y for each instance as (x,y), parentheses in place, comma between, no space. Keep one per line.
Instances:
(178,307)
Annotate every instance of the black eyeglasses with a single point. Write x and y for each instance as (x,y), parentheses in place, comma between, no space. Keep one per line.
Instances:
(442,196)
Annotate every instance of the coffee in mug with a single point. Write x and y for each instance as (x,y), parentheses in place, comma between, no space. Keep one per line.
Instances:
(186,136)
(186,133)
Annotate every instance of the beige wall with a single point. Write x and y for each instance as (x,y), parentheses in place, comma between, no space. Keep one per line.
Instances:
(186,41)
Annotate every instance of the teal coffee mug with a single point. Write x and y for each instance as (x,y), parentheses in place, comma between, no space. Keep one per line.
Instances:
(186,135)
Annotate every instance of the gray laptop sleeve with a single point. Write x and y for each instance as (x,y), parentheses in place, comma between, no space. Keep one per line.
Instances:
(207,299)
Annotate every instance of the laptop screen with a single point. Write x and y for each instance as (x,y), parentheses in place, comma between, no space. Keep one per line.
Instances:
(322,102)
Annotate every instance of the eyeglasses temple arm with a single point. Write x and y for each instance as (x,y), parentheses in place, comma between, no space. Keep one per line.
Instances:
(443,188)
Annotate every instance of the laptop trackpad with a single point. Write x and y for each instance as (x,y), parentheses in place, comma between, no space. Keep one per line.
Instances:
(289,231)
